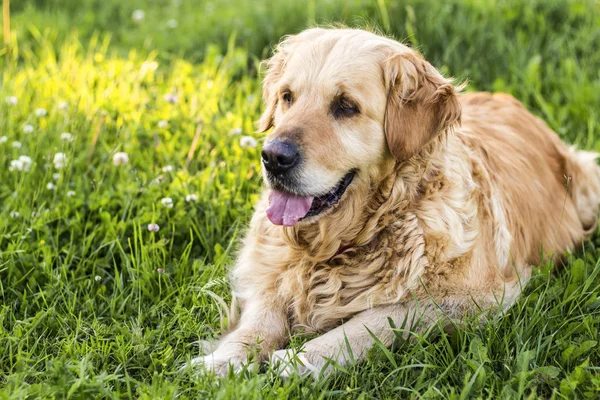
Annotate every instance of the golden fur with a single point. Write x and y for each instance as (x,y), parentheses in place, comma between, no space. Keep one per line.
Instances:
(456,198)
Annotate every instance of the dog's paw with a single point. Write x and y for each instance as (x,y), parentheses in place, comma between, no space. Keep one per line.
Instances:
(219,363)
(287,362)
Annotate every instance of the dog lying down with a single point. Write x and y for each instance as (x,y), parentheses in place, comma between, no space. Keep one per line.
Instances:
(391,196)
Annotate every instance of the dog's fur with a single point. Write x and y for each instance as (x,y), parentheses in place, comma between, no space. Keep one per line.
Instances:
(456,197)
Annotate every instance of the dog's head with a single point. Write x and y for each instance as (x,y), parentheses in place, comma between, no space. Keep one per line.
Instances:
(342,102)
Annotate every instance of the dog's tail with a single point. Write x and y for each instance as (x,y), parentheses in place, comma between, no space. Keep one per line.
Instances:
(584,186)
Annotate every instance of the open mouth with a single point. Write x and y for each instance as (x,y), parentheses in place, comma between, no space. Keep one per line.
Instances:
(287,208)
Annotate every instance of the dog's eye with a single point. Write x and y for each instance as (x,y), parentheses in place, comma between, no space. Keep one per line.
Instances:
(287,97)
(344,107)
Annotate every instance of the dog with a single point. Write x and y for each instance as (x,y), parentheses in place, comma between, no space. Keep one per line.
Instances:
(391,199)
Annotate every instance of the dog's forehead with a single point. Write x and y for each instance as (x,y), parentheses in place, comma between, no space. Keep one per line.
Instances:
(333,64)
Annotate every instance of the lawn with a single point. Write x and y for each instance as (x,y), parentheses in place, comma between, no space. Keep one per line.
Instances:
(98,115)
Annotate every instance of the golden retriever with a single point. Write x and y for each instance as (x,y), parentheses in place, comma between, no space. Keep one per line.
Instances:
(391,196)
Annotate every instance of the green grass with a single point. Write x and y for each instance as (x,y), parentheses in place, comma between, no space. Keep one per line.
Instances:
(92,304)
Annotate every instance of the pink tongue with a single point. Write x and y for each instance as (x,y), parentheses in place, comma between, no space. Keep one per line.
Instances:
(286,209)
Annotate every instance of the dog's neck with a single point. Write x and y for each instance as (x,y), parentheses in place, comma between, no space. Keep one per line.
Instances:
(369,207)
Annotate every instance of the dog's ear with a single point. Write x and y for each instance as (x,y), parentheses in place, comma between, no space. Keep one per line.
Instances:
(274,70)
(421,104)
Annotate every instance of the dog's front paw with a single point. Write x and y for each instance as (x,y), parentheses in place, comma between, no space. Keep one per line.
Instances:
(287,362)
(220,361)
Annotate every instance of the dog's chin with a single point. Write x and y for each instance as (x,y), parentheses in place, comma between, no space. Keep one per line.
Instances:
(289,207)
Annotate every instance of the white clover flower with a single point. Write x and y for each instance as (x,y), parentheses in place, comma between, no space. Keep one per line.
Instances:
(138,16)
(11,100)
(148,66)
(167,168)
(16,145)
(120,158)
(50,186)
(97,278)
(70,193)
(247,141)
(14,214)
(60,160)
(172,23)
(171,98)
(167,202)
(26,162)
(153,227)
(235,131)
(162,124)
(15,165)
(63,105)
(41,112)
(160,270)
(27,128)
(67,137)
(56,176)
(191,197)
(3,139)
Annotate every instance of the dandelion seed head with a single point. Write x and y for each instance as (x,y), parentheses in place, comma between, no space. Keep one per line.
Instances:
(11,100)
(235,131)
(162,124)
(41,112)
(50,186)
(27,128)
(70,193)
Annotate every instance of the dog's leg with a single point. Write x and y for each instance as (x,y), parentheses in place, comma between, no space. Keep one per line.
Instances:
(262,328)
(351,341)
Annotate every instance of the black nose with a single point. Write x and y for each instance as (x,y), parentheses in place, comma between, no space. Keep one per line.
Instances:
(279,157)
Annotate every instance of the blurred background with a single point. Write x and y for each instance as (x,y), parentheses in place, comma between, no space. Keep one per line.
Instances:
(541,50)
